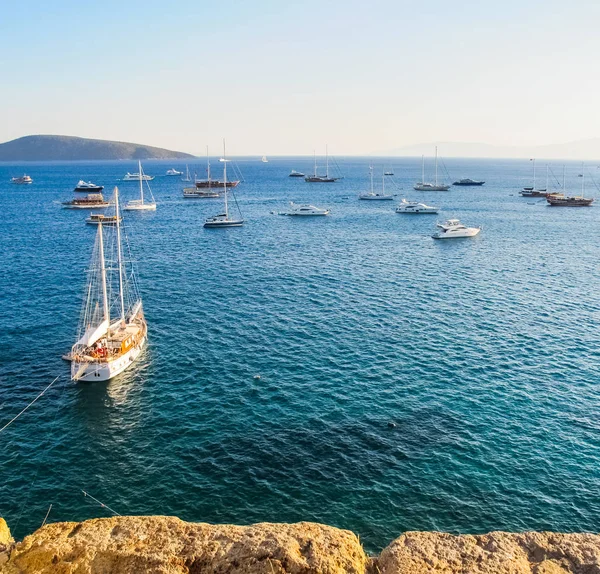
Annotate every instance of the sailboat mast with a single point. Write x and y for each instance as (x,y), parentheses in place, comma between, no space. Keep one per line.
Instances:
(326,162)
(371,170)
(582,180)
(103,274)
(422,169)
(315,155)
(435,165)
(208,166)
(383,181)
(119,256)
(564,170)
(546,177)
(533,173)
(141,182)
(225,179)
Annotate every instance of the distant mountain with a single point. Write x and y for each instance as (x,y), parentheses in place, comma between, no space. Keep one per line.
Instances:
(68,148)
(582,149)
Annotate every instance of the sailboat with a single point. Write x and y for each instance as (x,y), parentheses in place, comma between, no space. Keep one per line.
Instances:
(203,191)
(212,183)
(559,199)
(424,186)
(264,159)
(140,204)
(224,219)
(187,174)
(373,195)
(108,345)
(532,191)
(321,178)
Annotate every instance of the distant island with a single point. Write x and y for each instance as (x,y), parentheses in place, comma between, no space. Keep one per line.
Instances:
(70,148)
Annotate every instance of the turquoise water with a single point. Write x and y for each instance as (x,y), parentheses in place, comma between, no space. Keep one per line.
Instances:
(483,352)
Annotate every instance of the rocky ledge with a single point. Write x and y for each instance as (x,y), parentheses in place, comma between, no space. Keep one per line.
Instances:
(163,544)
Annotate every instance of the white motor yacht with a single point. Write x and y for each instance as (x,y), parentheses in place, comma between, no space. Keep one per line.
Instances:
(25,179)
(87,186)
(304,209)
(136,177)
(415,207)
(453,228)
(174,172)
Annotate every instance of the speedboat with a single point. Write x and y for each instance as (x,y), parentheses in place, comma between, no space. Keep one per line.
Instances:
(304,209)
(87,186)
(174,172)
(22,180)
(136,177)
(388,173)
(454,229)
(415,207)
(295,173)
(193,192)
(88,202)
(96,218)
(468,181)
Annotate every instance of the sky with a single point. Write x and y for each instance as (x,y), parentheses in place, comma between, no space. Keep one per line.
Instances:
(277,78)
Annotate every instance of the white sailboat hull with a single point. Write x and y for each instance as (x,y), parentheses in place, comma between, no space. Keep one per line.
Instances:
(104,371)
(140,207)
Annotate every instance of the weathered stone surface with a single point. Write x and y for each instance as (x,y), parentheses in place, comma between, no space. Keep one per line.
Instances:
(162,544)
(5,537)
(494,553)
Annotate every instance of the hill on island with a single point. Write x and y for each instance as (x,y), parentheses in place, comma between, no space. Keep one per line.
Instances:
(69,148)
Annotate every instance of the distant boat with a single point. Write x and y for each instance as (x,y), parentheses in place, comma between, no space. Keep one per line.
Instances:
(90,201)
(532,191)
(195,193)
(560,200)
(23,180)
(96,218)
(304,210)
(87,186)
(415,207)
(187,174)
(423,185)
(224,219)
(264,159)
(468,182)
(173,172)
(315,178)
(136,177)
(212,183)
(108,345)
(140,204)
(454,229)
(373,195)
(391,172)
(295,173)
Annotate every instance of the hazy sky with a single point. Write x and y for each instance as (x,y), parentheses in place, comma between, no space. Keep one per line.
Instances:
(279,77)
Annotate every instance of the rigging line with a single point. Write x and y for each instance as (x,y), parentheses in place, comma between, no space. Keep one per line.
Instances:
(46,517)
(31,403)
(42,458)
(101,503)
(236,203)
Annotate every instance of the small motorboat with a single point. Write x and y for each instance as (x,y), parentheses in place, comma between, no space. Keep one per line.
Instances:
(388,173)
(193,192)
(90,201)
(454,229)
(23,180)
(87,186)
(173,172)
(137,177)
(468,181)
(264,159)
(295,173)
(415,207)
(96,218)
(304,209)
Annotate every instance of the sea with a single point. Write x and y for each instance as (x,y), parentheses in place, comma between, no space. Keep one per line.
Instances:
(348,370)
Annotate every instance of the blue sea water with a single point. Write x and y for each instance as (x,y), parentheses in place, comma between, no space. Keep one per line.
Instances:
(483,352)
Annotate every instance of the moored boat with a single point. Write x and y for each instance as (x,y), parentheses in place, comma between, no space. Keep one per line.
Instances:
(559,200)
(136,177)
(141,204)
(87,186)
(316,178)
(468,182)
(426,186)
(376,195)
(96,218)
(295,173)
(415,207)
(304,210)
(23,180)
(90,201)
(454,229)
(194,192)
(106,346)
(172,172)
